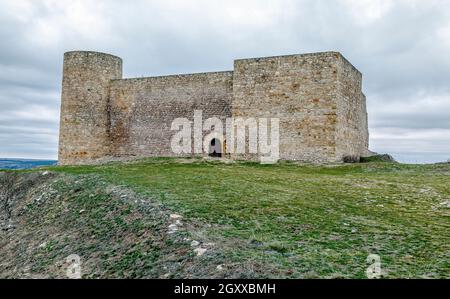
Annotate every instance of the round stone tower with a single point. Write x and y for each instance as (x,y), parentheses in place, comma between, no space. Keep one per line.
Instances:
(84,126)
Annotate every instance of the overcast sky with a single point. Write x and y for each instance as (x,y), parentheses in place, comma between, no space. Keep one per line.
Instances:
(401,47)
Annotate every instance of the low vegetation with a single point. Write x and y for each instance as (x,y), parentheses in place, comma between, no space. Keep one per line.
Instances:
(239,219)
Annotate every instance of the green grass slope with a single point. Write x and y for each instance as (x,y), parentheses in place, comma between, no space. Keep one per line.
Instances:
(275,221)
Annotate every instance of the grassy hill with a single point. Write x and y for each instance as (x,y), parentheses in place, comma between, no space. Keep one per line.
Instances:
(193,218)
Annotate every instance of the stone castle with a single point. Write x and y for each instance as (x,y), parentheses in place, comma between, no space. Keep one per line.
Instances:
(317,98)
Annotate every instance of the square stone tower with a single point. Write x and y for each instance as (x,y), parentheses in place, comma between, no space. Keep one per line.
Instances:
(317,98)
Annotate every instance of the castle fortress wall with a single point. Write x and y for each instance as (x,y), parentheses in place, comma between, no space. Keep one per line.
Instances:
(317,98)
(84,120)
(300,90)
(352,135)
(142,110)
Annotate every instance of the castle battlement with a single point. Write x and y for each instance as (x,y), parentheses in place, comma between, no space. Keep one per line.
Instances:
(317,98)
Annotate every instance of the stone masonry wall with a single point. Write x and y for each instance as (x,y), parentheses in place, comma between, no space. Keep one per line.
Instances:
(142,110)
(317,98)
(300,90)
(84,105)
(352,135)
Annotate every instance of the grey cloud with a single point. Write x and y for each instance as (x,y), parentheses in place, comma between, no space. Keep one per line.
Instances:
(423,110)
(402,50)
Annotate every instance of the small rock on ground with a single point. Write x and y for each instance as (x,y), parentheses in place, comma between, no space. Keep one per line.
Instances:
(200,251)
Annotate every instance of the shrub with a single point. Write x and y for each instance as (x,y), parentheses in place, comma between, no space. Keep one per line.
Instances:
(378,158)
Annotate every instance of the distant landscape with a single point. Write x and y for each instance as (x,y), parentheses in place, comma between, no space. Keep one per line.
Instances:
(24,163)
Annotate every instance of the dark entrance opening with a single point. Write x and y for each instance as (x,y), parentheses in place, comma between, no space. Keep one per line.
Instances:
(215,148)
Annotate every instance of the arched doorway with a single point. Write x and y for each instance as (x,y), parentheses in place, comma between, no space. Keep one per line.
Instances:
(215,148)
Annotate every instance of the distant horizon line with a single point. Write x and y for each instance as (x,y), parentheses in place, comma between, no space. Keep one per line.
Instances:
(416,162)
(27,159)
